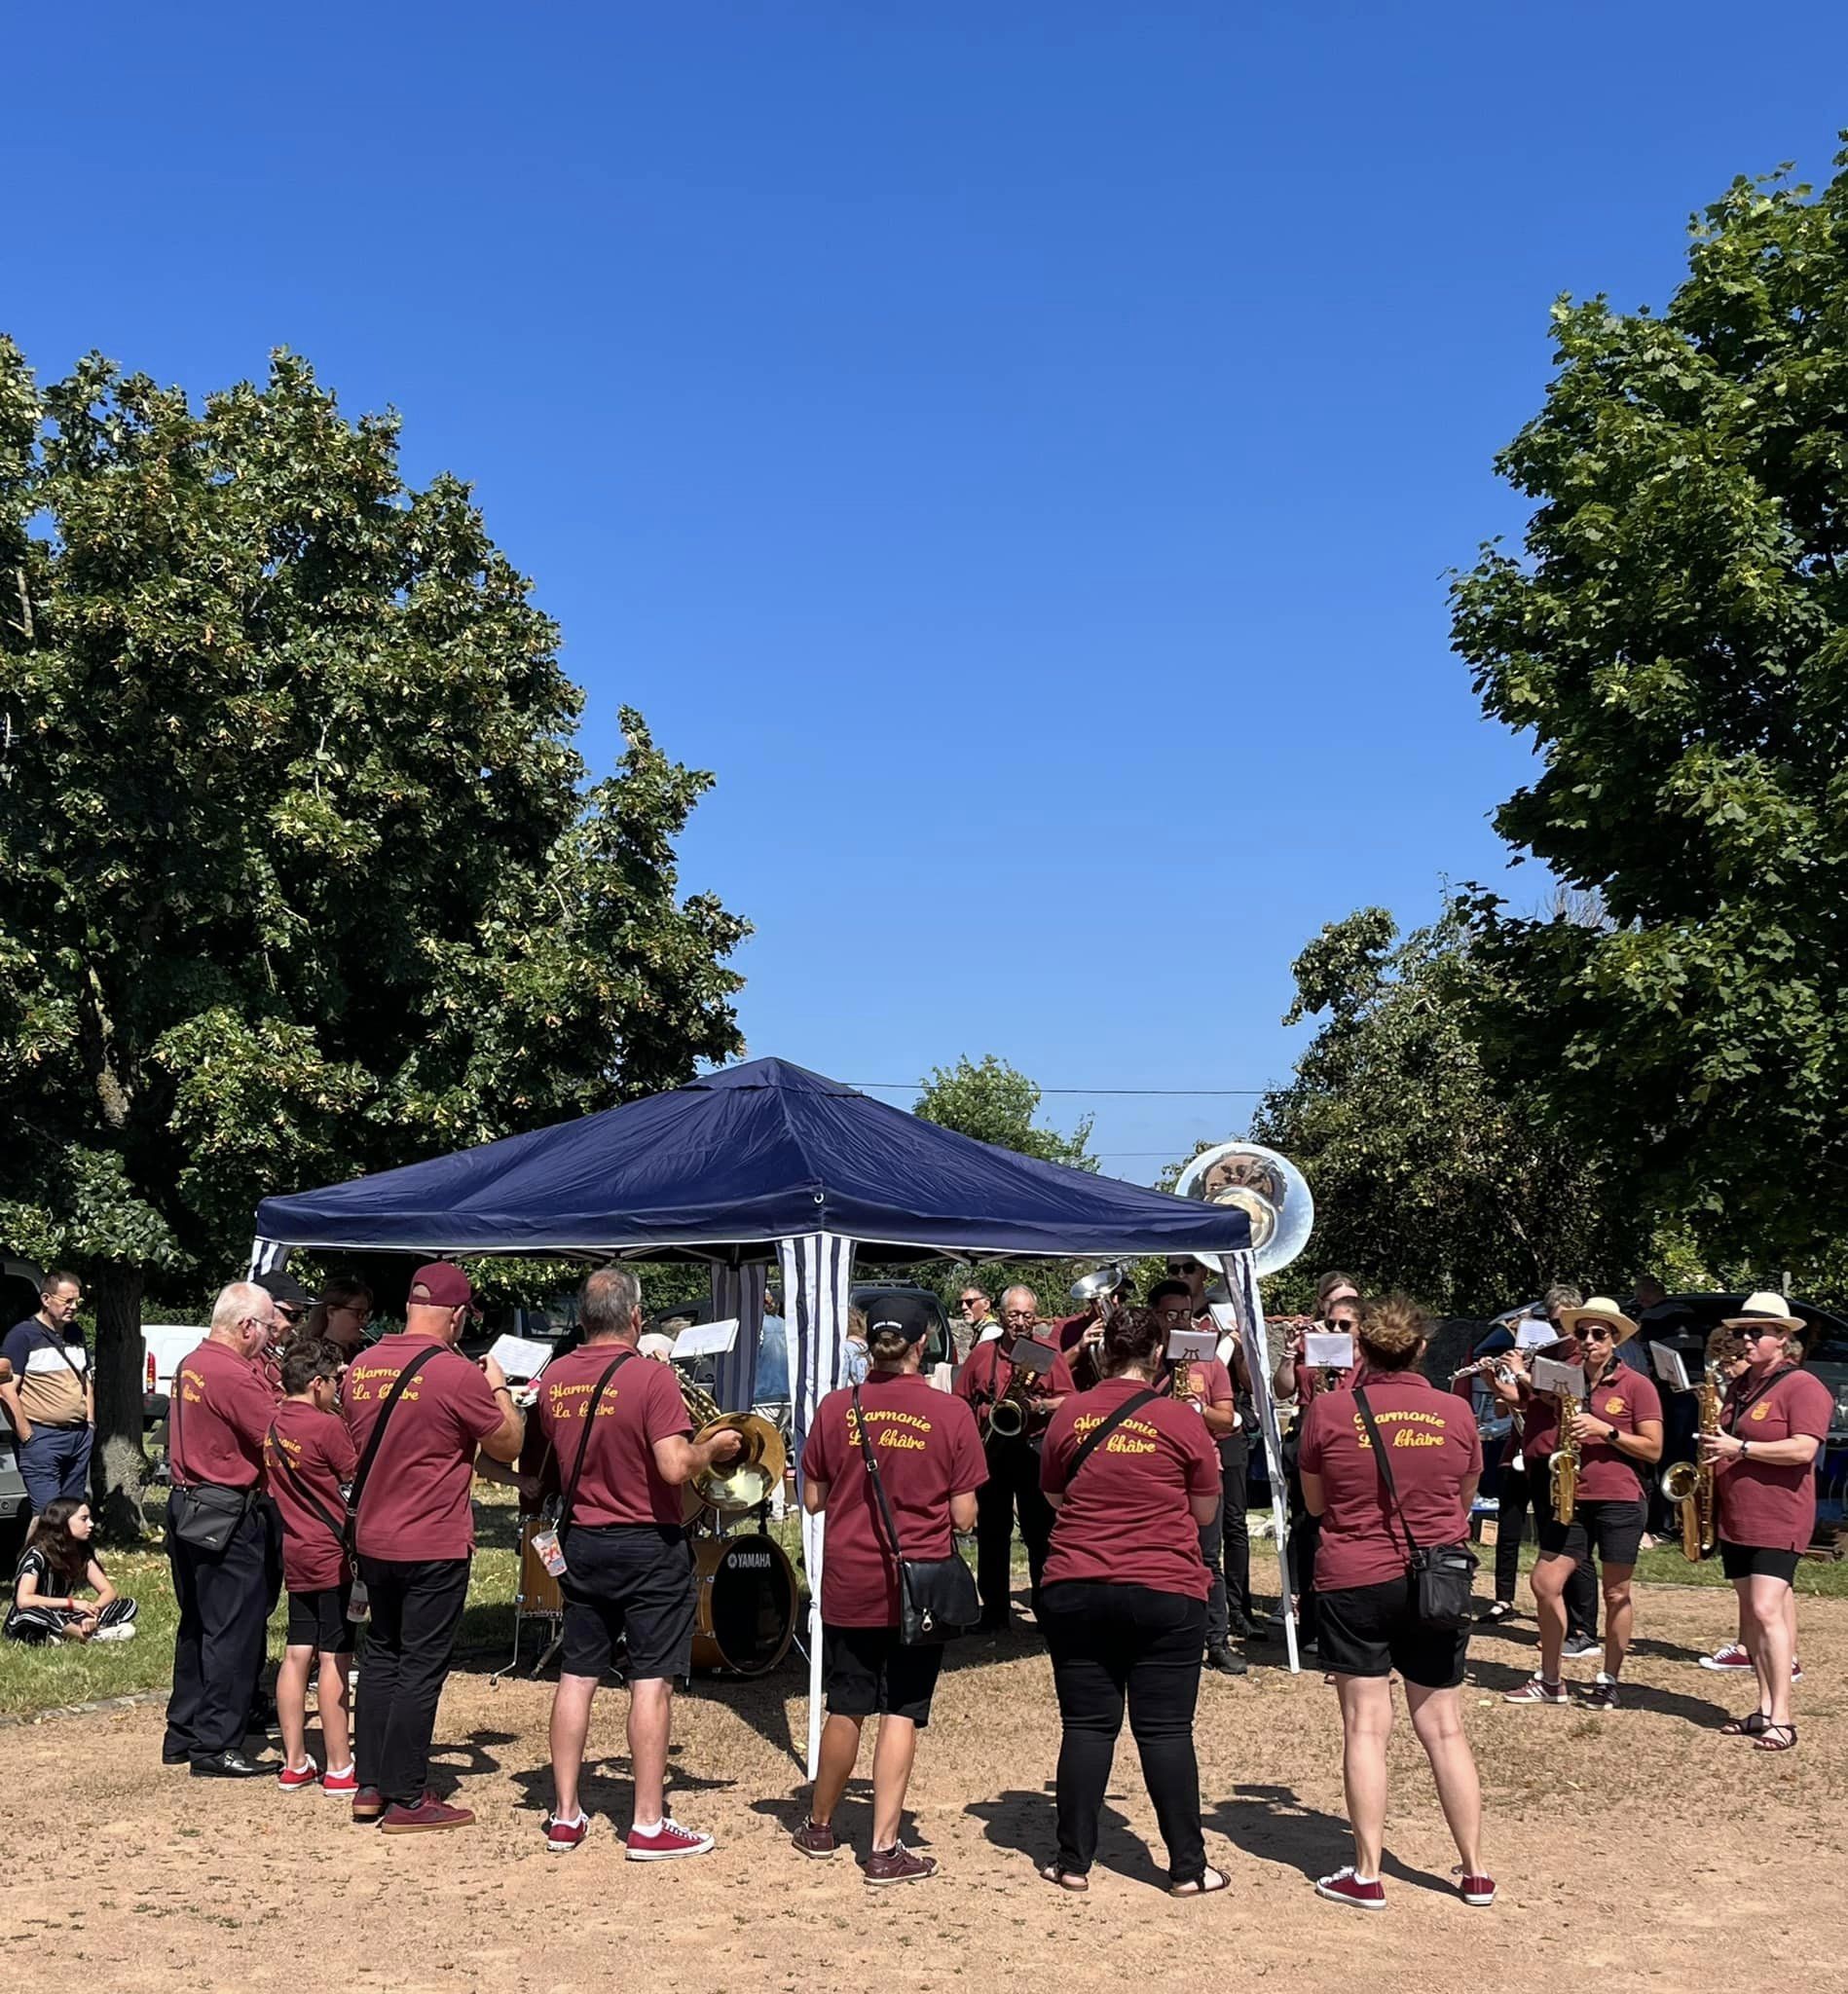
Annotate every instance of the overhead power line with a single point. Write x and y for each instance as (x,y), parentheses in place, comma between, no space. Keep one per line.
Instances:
(1175,1092)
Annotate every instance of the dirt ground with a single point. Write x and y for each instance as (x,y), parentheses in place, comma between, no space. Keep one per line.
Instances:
(1635,1850)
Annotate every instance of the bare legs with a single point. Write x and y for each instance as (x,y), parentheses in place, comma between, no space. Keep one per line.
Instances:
(650,1714)
(1549,1602)
(1767,1622)
(893,1753)
(291,1708)
(1619,1615)
(1366,1716)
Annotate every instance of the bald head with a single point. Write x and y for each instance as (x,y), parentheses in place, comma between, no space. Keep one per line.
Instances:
(1019,1311)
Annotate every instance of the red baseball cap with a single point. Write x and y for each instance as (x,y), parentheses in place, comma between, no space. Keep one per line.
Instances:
(441,1284)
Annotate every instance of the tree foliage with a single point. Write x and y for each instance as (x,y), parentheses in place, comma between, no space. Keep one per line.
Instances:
(1675,640)
(995,1102)
(301,872)
(1425,1175)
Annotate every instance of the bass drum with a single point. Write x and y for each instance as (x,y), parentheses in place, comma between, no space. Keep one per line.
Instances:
(744,1612)
(539,1592)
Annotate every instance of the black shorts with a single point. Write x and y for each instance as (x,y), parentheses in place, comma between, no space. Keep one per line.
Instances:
(1754,1561)
(1371,1630)
(318,1620)
(1614,1529)
(632,1580)
(867,1672)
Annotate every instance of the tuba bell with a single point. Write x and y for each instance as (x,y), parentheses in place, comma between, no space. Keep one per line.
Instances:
(1100,1285)
(753,1475)
(1267,1188)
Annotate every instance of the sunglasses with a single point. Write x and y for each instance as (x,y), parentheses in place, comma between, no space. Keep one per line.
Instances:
(1349,1323)
(970,1301)
(1598,1332)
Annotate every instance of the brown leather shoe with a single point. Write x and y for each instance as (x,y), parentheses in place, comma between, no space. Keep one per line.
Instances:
(428,1815)
(897,1864)
(815,1839)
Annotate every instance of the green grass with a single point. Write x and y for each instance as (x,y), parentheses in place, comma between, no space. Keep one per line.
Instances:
(33,1679)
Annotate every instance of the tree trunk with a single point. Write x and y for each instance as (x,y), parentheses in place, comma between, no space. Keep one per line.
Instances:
(119,1468)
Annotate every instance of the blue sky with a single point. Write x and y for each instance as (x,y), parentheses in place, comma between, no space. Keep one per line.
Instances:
(1018,448)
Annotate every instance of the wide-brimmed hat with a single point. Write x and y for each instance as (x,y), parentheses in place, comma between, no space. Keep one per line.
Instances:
(1767,1310)
(1600,1308)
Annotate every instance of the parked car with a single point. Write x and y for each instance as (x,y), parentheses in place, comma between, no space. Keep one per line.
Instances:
(937,1346)
(162,1345)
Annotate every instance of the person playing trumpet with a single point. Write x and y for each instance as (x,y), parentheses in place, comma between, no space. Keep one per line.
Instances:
(1618,1431)
(990,1376)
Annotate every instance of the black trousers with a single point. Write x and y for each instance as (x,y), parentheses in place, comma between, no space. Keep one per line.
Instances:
(1013,1483)
(417,1611)
(218,1649)
(271,1518)
(1112,1643)
(1235,1533)
(1518,1491)
(1218,1621)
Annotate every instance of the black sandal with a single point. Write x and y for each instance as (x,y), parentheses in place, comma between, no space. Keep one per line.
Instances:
(1205,1884)
(1752,1726)
(1777,1738)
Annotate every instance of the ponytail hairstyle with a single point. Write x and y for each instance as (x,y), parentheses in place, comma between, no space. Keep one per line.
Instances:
(1132,1336)
(1392,1331)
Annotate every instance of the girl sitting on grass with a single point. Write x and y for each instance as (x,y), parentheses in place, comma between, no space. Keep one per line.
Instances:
(57,1560)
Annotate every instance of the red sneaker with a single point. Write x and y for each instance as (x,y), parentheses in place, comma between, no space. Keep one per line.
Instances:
(1477,1890)
(1732,1656)
(1346,1888)
(428,1815)
(1537,1689)
(897,1864)
(297,1779)
(667,1841)
(563,1836)
(344,1783)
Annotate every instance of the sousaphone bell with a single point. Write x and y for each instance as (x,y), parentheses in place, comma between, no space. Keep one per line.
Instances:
(1267,1188)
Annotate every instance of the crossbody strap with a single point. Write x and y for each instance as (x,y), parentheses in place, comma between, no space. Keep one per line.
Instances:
(351,1533)
(878,1490)
(302,1489)
(1384,1466)
(1103,1430)
(569,1495)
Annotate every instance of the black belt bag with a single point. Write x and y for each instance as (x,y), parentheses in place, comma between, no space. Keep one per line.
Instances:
(1442,1574)
(206,1517)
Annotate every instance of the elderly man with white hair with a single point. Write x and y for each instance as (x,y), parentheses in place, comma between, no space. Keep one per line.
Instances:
(216,1537)
(1026,1370)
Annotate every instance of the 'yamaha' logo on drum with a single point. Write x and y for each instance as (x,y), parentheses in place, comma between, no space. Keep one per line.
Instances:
(750,1561)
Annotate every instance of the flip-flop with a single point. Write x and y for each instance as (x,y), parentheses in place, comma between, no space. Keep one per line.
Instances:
(1064,1879)
(1210,1880)
(1752,1726)
(1777,1738)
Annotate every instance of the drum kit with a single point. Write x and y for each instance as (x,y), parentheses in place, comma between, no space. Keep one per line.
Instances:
(745,1599)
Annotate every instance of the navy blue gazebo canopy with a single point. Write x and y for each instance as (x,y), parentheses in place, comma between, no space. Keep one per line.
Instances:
(728,1167)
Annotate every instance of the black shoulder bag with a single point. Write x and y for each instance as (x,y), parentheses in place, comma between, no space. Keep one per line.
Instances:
(936,1596)
(1443,1575)
(201,1515)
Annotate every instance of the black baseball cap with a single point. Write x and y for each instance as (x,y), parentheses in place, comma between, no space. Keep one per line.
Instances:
(281,1286)
(905,1313)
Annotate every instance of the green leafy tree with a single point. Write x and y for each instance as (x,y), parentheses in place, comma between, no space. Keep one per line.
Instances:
(1674,638)
(1426,1176)
(995,1102)
(301,873)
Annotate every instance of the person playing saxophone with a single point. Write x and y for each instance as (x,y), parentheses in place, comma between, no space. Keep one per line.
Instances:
(1617,1435)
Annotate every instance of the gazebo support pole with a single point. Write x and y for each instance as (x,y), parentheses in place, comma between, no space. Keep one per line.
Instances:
(817,1292)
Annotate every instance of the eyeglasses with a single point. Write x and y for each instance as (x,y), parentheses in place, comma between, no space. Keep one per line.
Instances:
(353,1308)
(1180,1313)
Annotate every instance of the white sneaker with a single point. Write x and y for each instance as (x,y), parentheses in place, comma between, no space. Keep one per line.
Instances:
(122,1629)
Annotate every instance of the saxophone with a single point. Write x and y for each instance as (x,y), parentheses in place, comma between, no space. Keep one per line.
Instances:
(1008,1416)
(1689,1484)
(1562,1470)
(1185,1392)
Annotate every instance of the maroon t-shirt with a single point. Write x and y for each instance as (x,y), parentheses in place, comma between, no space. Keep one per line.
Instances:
(224,1413)
(1125,1519)
(1625,1398)
(1773,1508)
(320,1453)
(1435,1450)
(640,1405)
(928,1449)
(416,1504)
(987,1373)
